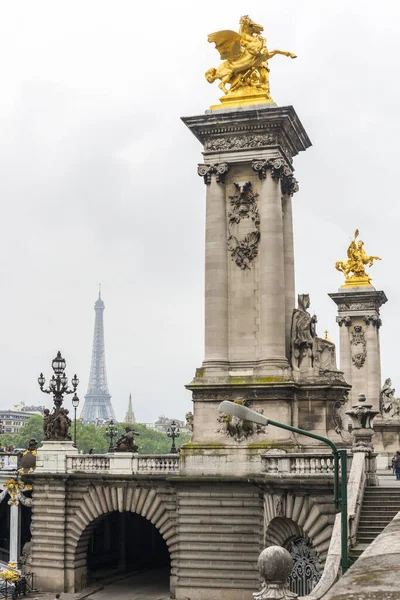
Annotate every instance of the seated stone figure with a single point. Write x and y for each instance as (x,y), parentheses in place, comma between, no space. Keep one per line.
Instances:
(126,443)
(309,353)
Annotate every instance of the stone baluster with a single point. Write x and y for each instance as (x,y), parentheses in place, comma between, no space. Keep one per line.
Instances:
(216,267)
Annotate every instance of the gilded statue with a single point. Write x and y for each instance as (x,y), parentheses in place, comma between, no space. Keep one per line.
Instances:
(245,64)
(354,267)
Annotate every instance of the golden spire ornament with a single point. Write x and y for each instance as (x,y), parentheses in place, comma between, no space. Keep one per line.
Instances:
(354,267)
(245,67)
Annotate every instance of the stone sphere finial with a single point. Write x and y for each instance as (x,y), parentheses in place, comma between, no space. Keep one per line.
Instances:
(275,564)
(361,398)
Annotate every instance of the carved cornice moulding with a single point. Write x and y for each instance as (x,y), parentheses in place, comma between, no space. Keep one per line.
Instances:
(359,300)
(282,123)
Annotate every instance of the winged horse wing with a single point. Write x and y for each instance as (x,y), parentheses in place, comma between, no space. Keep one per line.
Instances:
(227,43)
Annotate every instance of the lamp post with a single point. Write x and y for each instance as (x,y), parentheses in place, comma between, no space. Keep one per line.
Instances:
(75,404)
(111,432)
(242,412)
(173,432)
(56,424)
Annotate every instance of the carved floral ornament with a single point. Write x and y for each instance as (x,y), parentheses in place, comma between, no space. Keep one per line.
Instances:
(238,142)
(358,346)
(15,490)
(243,206)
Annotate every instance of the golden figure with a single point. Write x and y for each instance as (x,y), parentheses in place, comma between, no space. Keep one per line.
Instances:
(245,67)
(354,267)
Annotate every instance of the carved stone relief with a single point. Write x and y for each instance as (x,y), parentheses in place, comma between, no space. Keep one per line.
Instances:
(358,345)
(237,142)
(243,206)
(237,428)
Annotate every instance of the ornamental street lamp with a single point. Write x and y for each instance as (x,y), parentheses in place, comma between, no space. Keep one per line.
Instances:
(173,432)
(231,408)
(111,432)
(56,424)
(75,404)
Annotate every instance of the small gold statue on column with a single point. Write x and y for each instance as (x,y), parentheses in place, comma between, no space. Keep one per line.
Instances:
(245,67)
(353,267)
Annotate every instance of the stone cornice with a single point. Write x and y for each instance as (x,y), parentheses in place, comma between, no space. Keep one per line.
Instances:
(358,301)
(270,126)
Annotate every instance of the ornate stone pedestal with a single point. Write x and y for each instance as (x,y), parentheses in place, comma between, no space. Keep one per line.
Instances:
(52,456)
(249,289)
(359,322)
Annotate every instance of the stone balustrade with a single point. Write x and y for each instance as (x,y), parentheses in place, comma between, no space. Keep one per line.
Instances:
(123,463)
(153,463)
(88,463)
(298,464)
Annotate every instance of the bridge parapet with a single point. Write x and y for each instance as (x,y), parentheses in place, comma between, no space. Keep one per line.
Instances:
(123,463)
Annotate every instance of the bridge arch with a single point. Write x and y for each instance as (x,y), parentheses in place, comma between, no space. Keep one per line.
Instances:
(288,515)
(96,503)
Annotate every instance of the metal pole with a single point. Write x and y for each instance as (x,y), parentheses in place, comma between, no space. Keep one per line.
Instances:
(345,554)
(75,427)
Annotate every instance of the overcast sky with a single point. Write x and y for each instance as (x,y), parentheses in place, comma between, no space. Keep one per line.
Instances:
(98,178)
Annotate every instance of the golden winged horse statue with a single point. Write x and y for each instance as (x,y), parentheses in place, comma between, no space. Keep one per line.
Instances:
(245,64)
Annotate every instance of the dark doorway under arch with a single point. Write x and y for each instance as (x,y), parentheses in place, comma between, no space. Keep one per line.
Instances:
(126,543)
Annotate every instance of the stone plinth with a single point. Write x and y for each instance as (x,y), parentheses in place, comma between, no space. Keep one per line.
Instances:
(359,322)
(52,457)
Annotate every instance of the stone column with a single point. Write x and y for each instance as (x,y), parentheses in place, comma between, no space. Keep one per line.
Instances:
(272,350)
(15,534)
(373,324)
(216,268)
(289,186)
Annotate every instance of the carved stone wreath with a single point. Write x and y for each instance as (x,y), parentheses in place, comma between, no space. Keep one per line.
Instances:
(236,428)
(243,206)
(358,345)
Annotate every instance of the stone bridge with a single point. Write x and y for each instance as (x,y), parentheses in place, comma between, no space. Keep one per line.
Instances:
(94,511)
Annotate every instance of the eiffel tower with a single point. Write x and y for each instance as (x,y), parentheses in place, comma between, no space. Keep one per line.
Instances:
(97,407)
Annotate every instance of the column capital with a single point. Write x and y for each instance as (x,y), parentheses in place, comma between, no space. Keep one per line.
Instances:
(374,320)
(278,166)
(218,169)
(343,321)
(279,170)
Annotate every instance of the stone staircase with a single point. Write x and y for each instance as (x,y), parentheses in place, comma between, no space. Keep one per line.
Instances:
(380,505)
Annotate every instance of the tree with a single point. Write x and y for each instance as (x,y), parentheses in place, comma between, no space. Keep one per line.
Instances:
(150,441)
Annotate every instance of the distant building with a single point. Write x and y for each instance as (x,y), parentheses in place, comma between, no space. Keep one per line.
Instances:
(13,420)
(130,415)
(163,423)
